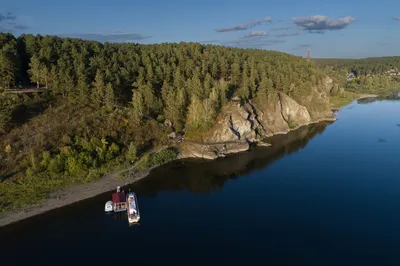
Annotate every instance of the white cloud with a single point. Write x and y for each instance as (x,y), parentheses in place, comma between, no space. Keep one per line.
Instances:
(258,33)
(319,24)
(246,25)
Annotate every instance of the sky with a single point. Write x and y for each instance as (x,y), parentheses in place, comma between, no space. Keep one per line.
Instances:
(334,29)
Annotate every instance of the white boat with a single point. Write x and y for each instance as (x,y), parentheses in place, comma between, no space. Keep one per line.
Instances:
(109,206)
(133,208)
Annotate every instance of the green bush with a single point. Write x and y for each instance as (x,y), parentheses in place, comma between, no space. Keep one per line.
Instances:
(160,157)
(131,154)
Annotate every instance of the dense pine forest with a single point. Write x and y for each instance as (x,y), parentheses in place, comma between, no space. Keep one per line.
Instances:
(104,105)
(364,66)
(373,75)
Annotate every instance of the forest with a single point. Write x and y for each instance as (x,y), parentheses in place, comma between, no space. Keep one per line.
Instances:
(364,66)
(373,75)
(106,105)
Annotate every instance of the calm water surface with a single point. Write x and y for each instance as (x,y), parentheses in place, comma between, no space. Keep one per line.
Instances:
(327,194)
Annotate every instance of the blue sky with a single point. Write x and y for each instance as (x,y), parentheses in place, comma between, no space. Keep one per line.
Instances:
(348,29)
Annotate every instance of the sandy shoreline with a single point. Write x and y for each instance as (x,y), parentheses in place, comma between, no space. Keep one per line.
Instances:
(74,194)
(109,182)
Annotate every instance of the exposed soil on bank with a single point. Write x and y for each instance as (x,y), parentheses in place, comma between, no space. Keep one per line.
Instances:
(76,193)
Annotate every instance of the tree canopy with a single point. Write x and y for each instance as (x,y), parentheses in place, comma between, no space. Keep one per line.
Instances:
(364,66)
(159,79)
(105,104)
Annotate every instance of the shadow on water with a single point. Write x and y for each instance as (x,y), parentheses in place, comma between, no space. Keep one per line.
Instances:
(199,176)
(195,176)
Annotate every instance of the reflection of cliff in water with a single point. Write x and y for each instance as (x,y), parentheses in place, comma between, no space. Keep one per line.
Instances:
(389,96)
(393,94)
(199,176)
(367,100)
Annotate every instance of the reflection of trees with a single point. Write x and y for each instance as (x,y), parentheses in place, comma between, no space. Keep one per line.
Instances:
(392,95)
(366,100)
(198,176)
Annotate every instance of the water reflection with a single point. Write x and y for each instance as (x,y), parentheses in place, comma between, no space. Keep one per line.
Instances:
(393,95)
(367,100)
(119,216)
(198,176)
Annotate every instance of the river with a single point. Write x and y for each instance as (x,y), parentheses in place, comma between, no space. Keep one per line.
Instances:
(326,194)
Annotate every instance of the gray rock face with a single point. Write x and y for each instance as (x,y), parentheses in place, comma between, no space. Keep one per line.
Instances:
(293,113)
(328,84)
(237,125)
(211,151)
(272,119)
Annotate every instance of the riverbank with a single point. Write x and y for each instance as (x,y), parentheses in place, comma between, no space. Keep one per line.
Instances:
(340,102)
(74,194)
(108,183)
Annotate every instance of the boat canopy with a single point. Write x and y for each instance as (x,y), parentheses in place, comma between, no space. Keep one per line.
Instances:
(118,197)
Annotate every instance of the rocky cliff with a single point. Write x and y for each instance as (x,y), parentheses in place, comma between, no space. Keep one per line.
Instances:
(237,125)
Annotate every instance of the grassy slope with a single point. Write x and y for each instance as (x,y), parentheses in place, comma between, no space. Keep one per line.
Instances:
(79,154)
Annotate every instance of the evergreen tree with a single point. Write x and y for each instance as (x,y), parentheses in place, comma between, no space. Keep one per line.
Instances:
(109,98)
(5,114)
(195,87)
(98,91)
(138,106)
(8,65)
(35,70)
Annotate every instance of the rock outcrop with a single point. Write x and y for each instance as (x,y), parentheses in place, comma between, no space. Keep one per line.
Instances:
(293,113)
(238,125)
(211,151)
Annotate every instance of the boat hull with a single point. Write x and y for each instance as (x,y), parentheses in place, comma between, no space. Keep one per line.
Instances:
(133,208)
(134,220)
(108,207)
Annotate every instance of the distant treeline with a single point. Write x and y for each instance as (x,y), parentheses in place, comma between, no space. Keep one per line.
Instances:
(364,66)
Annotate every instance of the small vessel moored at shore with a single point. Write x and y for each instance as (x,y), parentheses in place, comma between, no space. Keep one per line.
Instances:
(119,201)
(108,206)
(133,208)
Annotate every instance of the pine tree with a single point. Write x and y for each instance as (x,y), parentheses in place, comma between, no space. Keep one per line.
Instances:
(235,77)
(109,99)
(35,70)
(5,115)
(208,83)
(208,113)
(195,87)
(214,71)
(215,97)
(138,106)
(8,66)
(150,101)
(244,91)
(194,118)
(45,76)
(99,88)
(178,79)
